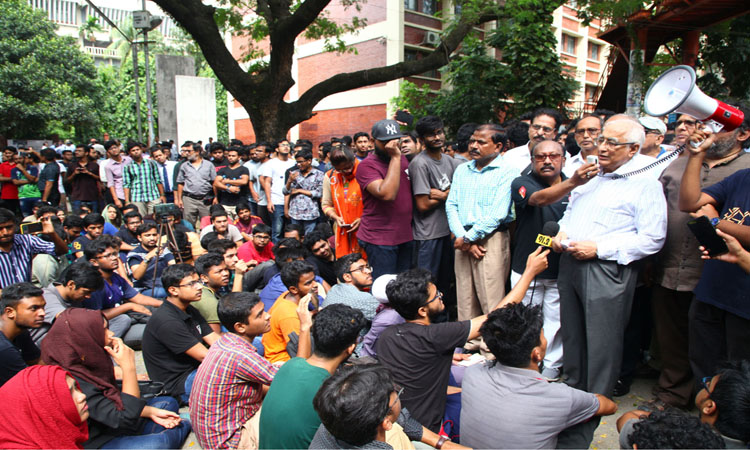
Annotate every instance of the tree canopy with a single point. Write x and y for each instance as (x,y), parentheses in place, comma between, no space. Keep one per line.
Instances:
(46,82)
(260,88)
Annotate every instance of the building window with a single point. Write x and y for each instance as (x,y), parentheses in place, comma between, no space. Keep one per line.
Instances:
(594,51)
(410,5)
(414,55)
(423,6)
(590,93)
(569,44)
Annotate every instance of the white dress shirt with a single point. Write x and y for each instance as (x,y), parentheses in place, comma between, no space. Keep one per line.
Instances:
(519,158)
(625,217)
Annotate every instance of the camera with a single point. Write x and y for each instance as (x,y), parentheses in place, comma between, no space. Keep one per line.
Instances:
(161,212)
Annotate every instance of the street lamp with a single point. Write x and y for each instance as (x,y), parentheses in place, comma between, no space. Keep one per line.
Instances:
(145,21)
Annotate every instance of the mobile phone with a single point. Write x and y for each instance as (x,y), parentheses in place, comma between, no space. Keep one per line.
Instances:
(31,228)
(592,159)
(706,234)
(405,117)
(346,225)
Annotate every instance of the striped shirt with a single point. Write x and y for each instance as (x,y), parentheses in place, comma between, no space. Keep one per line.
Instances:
(480,199)
(227,391)
(625,217)
(142,180)
(15,266)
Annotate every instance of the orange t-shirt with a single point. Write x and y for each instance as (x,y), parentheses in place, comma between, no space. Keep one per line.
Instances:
(284,320)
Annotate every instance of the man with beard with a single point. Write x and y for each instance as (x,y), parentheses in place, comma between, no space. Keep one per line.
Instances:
(113,172)
(288,419)
(586,133)
(418,352)
(678,269)
(258,156)
(385,232)
(544,125)
(141,181)
(361,145)
(194,185)
(611,223)
(542,197)
(231,182)
(322,256)
(431,173)
(145,257)
(83,176)
(478,210)
(22,309)
(117,299)
(719,315)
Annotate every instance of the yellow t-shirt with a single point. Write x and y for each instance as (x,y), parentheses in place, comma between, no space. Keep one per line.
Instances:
(284,320)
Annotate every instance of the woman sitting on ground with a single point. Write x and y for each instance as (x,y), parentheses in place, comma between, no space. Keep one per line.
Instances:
(44,408)
(80,342)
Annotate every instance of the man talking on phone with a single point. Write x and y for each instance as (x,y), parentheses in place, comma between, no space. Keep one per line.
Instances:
(17,250)
(719,315)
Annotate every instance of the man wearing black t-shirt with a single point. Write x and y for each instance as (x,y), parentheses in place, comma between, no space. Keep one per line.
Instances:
(418,352)
(231,183)
(541,196)
(22,309)
(323,256)
(177,337)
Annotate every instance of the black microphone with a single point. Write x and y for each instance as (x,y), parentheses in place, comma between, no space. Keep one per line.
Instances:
(549,231)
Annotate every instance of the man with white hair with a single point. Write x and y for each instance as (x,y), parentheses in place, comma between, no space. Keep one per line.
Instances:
(609,224)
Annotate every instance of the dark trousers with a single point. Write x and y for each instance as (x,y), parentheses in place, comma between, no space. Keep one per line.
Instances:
(715,336)
(388,259)
(595,302)
(637,334)
(437,256)
(670,314)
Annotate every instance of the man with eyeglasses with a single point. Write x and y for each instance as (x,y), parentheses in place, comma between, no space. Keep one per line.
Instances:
(610,223)
(177,337)
(541,197)
(545,123)
(684,127)
(587,131)
(117,299)
(195,179)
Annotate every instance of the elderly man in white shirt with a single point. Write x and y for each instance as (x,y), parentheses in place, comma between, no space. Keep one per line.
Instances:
(610,223)
(586,133)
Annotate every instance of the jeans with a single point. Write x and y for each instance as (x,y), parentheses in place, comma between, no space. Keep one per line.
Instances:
(388,259)
(152,435)
(156,292)
(308,225)
(27,204)
(277,222)
(93,204)
(185,396)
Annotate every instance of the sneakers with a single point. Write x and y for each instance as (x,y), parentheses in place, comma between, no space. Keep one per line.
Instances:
(552,375)
(655,404)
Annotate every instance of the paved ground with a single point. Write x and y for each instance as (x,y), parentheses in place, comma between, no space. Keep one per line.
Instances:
(606,436)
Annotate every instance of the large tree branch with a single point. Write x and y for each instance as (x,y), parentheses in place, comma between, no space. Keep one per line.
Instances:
(306,14)
(439,57)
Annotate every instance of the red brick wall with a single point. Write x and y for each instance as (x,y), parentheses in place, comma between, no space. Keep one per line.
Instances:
(339,122)
(243,130)
(316,68)
(423,20)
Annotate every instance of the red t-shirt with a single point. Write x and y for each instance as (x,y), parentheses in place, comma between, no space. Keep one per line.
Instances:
(9,190)
(248,252)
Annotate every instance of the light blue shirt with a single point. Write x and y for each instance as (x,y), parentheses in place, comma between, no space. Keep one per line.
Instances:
(480,199)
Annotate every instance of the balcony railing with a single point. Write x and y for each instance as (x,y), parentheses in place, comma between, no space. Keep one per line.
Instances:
(102,52)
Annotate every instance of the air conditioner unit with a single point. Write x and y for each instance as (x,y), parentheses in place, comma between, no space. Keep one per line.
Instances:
(431,38)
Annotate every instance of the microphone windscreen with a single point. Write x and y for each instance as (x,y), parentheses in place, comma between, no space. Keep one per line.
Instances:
(550,228)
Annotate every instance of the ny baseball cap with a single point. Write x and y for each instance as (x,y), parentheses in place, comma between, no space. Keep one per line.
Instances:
(652,123)
(386,130)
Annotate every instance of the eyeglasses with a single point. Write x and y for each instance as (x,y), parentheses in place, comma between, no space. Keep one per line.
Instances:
(192,284)
(705,383)
(686,122)
(653,132)
(612,142)
(109,255)
(538,127)
(399,390)
(590,131)
(363,269)
(438,295)
(542,158)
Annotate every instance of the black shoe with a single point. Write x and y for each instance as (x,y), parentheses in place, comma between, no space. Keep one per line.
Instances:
(621,389)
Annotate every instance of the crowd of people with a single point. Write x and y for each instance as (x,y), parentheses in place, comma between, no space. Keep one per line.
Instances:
(389,290)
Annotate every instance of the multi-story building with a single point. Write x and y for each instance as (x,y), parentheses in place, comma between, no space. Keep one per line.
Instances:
(72,16)
(403,30)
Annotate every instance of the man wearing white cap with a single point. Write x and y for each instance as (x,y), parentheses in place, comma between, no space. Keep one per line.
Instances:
(655,131)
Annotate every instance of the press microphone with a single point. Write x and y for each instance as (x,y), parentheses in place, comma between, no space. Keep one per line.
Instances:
(549,231)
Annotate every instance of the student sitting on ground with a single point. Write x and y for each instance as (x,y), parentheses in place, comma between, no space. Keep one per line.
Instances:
(93,225)
(145,257)
(214,277)
(233,378)
(177,337)
(670,430)
(506,403)
(81,343)
(22,307)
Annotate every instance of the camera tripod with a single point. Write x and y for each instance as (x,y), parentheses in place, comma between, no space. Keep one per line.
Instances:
(165,229)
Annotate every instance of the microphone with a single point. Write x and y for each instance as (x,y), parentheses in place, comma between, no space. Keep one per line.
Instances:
(549,231)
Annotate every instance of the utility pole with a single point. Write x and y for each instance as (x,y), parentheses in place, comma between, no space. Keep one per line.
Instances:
(149,103)
(134,47)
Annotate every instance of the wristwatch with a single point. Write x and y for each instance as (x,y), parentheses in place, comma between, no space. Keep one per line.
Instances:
(715,222)
(441,441)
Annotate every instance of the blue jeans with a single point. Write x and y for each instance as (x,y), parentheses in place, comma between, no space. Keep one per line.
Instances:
(308,225)
(93,204)
(152,435)
(27,204)
(185,396)
(156,292)
(277,222)
(388,259)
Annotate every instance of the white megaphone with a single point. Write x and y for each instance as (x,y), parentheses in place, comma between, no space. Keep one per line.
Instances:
(675,91)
